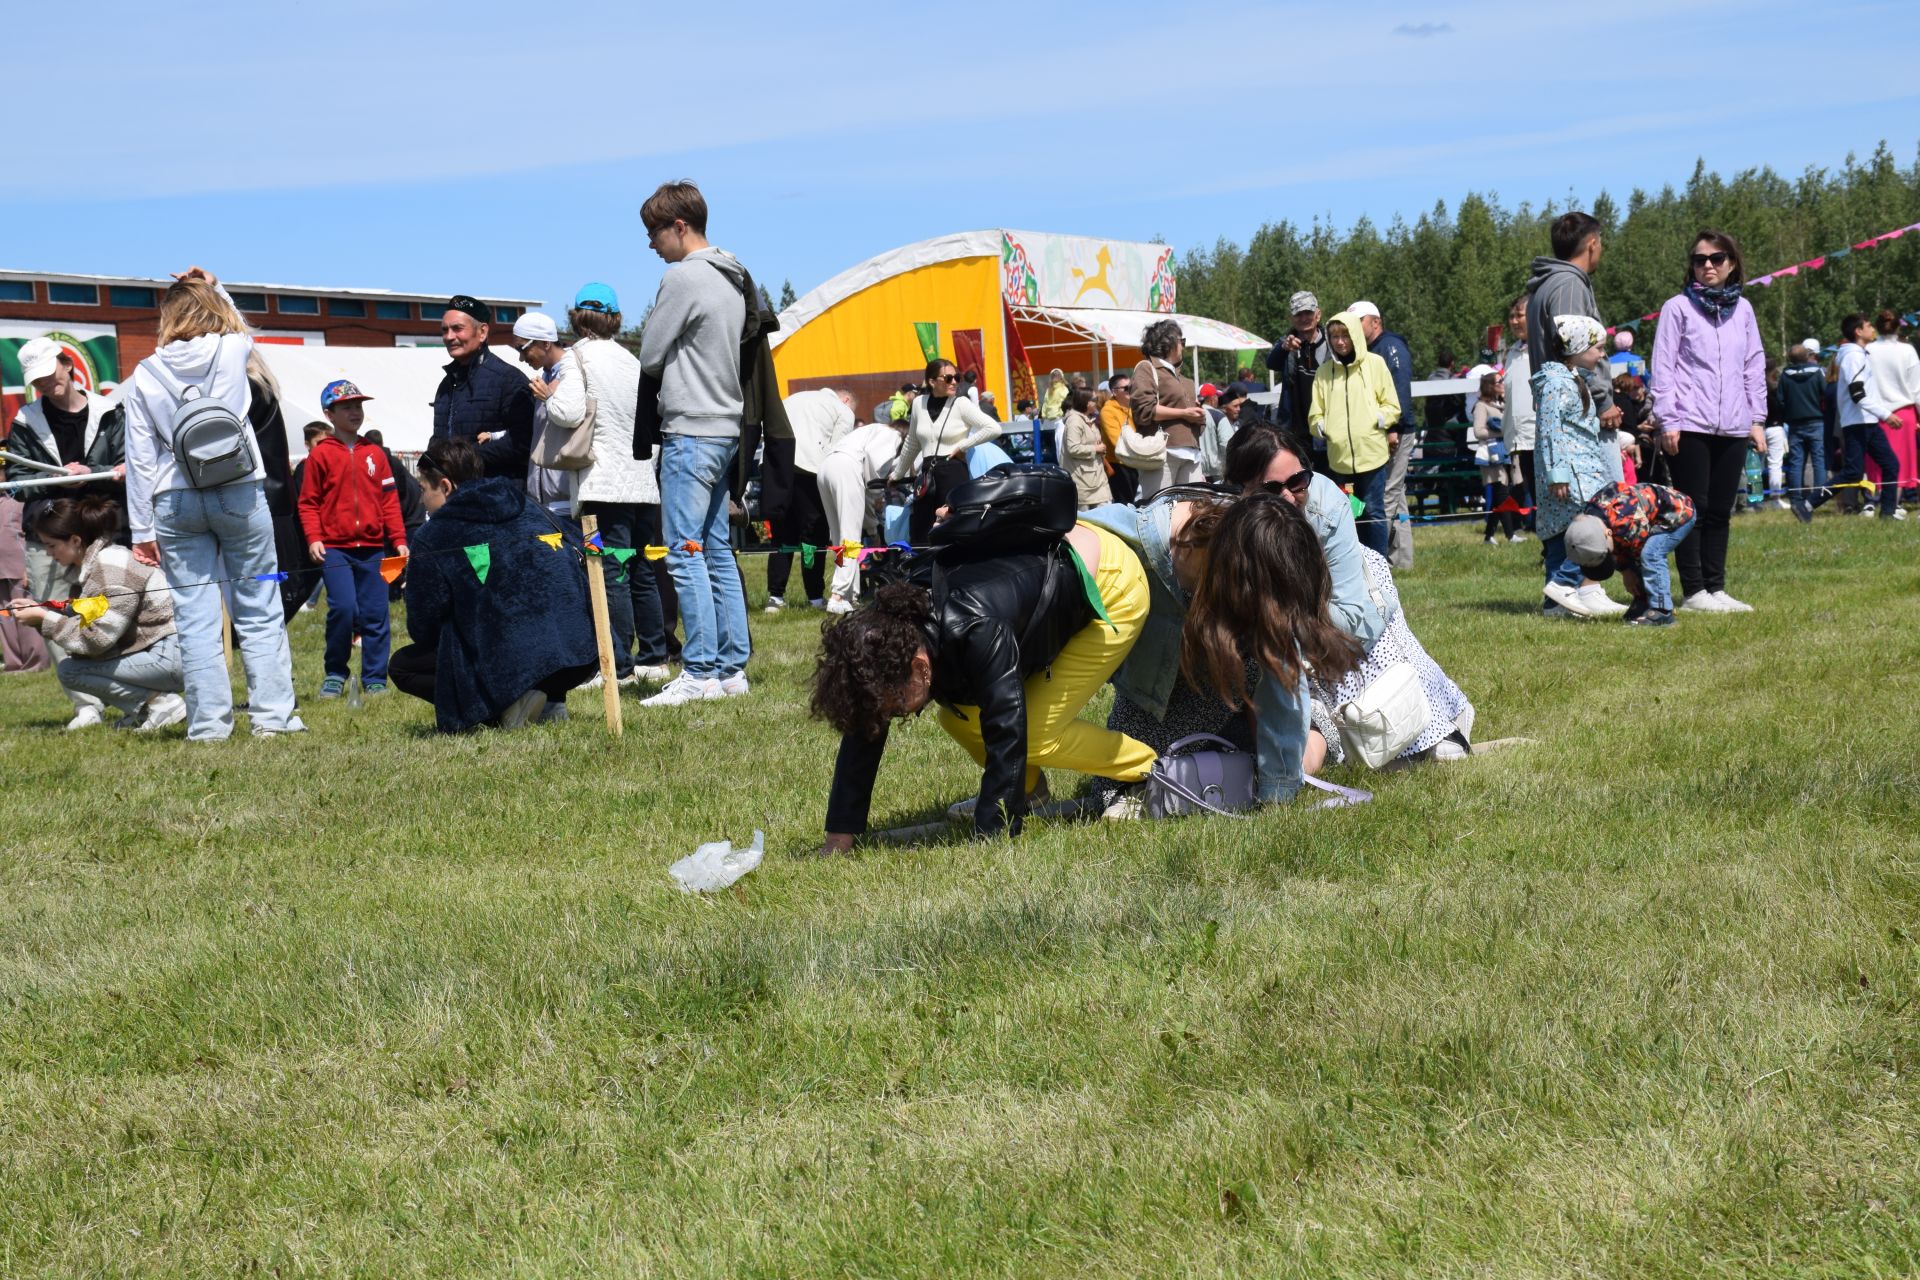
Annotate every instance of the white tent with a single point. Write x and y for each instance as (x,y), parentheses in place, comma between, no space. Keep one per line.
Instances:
(401,380)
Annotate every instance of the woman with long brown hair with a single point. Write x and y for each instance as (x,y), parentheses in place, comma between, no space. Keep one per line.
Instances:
(206,538)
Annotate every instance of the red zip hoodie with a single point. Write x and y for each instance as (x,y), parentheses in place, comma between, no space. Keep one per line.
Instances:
(348,497)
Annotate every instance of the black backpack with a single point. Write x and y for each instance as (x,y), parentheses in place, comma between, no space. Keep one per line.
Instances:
(1013,507)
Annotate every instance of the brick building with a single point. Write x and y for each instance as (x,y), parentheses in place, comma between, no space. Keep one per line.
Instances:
(109,323)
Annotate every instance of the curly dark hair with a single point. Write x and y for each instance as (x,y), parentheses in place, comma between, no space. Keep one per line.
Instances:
(866,660)
(1159,338)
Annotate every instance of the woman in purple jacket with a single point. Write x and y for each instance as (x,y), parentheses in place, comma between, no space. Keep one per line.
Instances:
(1710,400)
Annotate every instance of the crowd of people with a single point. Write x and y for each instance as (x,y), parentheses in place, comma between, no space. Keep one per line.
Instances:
(1229,566)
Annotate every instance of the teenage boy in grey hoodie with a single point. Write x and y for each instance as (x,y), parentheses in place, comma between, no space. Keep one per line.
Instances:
(1563,286)
(691,343)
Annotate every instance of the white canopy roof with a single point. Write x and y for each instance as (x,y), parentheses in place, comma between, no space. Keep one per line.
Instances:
(401,380)
(1125,328)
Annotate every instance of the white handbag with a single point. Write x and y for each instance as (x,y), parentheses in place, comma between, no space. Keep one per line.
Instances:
(1142,453)
(1386,717)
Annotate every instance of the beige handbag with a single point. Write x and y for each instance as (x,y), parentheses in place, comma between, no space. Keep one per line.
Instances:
(574,452)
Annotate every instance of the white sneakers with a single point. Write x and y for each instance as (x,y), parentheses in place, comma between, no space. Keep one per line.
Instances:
(1569,599)
(527,706)
(167,709)
(683,689)
(1599,603)
(734,686)
(659,674)
(839,604)
(775,604)
(1714,602)
(86,717)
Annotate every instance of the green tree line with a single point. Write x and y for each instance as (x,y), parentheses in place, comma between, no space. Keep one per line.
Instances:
(1441,281)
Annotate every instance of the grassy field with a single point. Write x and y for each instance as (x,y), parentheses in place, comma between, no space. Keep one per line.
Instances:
(1638,1000)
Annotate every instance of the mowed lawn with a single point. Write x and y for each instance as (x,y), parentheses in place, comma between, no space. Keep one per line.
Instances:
(1637,1000)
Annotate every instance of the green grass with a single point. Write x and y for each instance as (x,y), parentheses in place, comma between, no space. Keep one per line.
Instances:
(1637,1000)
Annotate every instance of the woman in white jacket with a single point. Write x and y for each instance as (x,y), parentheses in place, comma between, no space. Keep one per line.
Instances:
(854,461)
(619,491)
(207,537)
(943,425)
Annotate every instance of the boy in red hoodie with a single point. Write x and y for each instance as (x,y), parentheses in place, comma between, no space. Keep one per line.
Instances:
(350,512)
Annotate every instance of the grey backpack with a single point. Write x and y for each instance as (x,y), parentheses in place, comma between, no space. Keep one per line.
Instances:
(212,446)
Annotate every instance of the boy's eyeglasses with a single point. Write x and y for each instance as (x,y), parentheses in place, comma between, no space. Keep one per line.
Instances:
(1702,259)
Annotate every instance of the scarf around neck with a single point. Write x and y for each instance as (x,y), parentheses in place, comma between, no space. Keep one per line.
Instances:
(1716,300)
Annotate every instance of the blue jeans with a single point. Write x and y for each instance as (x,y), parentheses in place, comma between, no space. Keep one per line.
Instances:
(127,680)
(1654,582)
(693,508)
(1553,554)
(206,535)
(1371,488)
(1806,441)
(1865,440)
(356,601)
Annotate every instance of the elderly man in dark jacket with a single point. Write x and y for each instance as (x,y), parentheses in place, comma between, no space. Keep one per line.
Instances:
(482,398)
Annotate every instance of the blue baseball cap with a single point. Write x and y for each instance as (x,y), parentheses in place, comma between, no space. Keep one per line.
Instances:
(597,297)
(340,391)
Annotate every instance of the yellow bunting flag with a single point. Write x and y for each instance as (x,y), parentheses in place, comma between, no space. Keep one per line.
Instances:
(391,567)
(551,539)
(656,553)
(89,609)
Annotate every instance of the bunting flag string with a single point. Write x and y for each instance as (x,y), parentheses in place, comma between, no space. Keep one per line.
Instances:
(1811,264)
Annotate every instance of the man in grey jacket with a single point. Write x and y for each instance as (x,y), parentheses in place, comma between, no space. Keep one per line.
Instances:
(691,343)
(1563,286)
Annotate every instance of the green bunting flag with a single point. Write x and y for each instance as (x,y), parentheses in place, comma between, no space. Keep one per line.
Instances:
(621,555)
(807,552)
(928,331)
(481,558)
(1358,506)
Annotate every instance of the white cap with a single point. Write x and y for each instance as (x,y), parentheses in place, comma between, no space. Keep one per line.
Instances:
(536,326)
(39,357)
(1812,345)
(1364,309)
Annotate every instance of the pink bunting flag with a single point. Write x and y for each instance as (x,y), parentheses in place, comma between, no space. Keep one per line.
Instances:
(1762,280)
(1786,272)
(1814,264)
(1866,244)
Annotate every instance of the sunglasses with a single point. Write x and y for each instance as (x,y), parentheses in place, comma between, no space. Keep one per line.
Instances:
(1297,484)
(522,348)
(947,377)
(1702,259)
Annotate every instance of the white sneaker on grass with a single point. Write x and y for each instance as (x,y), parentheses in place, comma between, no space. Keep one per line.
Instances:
(527,706)
(1602,605)
(774,605)
(1729,605)
(839,604)
(1703,602)
(734,686)
(86,717)
(1569,599)
(658,673)
(682,689)
(167,709)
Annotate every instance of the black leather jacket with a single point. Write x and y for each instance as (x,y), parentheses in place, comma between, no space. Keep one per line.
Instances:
(998,622)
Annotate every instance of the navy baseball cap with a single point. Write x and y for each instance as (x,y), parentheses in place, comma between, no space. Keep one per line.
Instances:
(340,391)
(597,297)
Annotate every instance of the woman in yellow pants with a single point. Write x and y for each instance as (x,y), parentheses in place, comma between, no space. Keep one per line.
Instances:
(1012,647)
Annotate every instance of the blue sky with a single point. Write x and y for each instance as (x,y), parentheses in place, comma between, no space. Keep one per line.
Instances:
(505,149)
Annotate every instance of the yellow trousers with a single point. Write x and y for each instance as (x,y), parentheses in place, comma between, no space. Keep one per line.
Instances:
(1056,736)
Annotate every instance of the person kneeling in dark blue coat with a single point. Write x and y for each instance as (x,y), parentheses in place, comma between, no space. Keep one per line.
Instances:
(499,619)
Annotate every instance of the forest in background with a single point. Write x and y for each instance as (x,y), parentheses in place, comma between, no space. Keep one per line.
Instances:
(1442,280)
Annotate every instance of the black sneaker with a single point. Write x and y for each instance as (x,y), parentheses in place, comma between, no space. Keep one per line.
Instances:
(1653,618)
(1803,513)
(1637,609)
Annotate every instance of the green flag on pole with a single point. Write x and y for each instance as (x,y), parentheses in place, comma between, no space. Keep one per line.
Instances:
(928,331)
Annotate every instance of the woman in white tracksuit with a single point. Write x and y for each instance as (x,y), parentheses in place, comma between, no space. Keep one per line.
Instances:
(855,460)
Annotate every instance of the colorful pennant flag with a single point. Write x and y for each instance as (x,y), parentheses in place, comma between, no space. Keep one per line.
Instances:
(391,567)
(89,609)
(480,556)
(656,553)
(928,332)
(620,555)
(551,539)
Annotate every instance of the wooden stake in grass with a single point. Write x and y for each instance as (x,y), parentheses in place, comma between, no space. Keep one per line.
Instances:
(602,630)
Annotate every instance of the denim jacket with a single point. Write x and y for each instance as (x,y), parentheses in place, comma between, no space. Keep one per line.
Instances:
(1146,678)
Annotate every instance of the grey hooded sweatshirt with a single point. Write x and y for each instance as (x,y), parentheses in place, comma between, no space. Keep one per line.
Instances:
(1556,288)
(691,342)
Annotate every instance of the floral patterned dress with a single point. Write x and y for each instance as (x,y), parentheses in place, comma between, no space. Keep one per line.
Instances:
(1568,449)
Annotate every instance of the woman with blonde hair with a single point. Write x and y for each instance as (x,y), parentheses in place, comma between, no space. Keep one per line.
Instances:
(206,538)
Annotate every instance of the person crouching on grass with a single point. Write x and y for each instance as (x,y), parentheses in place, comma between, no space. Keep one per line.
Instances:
(1012,649)
(350,511)
(499,619)
(1635,526)
(1572,462)
(129,656)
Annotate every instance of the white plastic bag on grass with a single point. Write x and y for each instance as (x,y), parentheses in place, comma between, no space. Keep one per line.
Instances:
(717,865)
